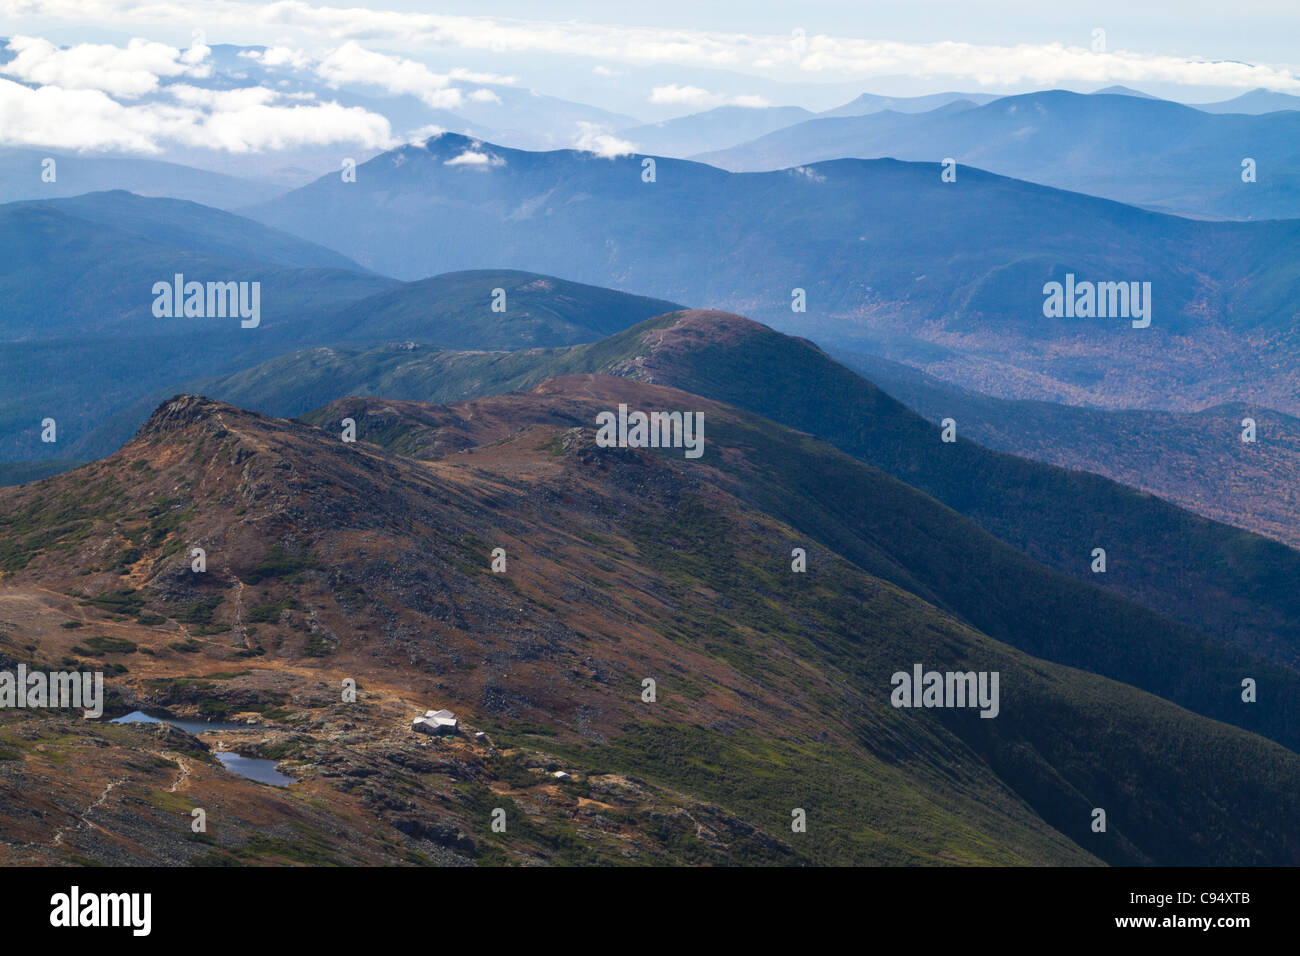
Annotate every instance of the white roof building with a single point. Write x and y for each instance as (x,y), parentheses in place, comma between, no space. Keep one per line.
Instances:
(435,722)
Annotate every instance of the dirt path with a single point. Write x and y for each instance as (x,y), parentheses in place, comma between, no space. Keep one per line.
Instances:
(183,776)
(84,818)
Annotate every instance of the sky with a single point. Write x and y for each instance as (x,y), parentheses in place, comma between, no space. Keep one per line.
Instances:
(1252,30)
(1249,30)
(145,66)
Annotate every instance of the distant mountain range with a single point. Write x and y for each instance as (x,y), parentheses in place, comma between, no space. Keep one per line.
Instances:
(713,129)
(1253,102)
(1137,150)
(498,109)
(1123,91)
(884,252)
(787,136)
(1187,149)
(869,103)
(729,126)
(22,172)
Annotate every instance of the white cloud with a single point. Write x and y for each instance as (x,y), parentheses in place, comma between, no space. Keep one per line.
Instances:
(1041,64)
(680,95)
(470,76)
(485,95)
(279,56)
(475,158)
(194,57)
(84,98)
(419,136)
(594,138)
(352,63)
(223,100)
(237,121)
(256,128)
(123,72)
(75,119)
(676,95)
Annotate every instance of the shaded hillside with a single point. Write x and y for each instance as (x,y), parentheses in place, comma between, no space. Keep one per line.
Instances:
(19,473)
(83,346)
(1226,582)
(189,225)
(80,338)
(1194,459)
(301,381)
(69,271)
(416,319)
(455,311)
(329,559)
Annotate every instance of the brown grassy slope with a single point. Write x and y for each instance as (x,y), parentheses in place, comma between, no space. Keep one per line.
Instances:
(328,560)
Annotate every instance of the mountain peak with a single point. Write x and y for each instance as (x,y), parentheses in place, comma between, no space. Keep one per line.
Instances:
(1123,91)
(448,144)
(679,333)
(660,350)
(693,329)
(714,324)
(185,413)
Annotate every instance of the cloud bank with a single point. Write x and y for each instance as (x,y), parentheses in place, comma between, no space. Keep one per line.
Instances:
(1039,64)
